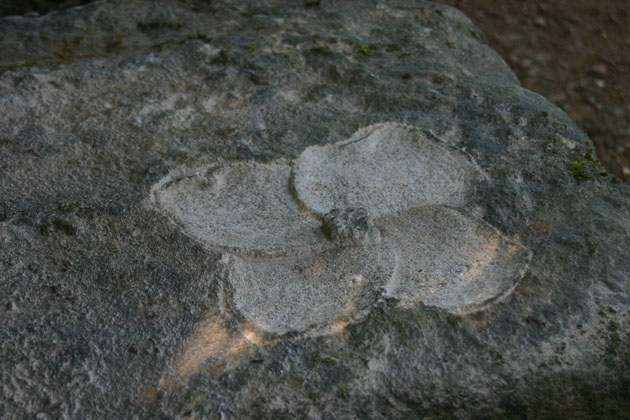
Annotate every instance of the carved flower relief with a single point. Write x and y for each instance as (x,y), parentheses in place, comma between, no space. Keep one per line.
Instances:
(312,244)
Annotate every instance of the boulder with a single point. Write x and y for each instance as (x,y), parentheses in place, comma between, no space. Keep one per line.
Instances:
(298,209)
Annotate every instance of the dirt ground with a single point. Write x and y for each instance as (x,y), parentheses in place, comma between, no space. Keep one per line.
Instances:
(576,53)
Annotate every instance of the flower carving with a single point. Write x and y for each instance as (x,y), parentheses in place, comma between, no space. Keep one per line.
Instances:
(312,244)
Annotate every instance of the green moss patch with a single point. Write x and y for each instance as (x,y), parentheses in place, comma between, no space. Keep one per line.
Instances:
(586,168)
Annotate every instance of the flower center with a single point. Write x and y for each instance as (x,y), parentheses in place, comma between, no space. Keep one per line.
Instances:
(349,226)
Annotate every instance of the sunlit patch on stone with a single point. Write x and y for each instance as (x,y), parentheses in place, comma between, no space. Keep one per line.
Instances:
(450,260)
(213,341)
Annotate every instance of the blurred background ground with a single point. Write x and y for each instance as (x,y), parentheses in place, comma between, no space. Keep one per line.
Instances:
(576,53)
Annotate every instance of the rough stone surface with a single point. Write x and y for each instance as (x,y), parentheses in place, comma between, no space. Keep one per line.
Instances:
(349,225)
(451,261)
(245,207)
(384,167)
(164,171)
(425,252)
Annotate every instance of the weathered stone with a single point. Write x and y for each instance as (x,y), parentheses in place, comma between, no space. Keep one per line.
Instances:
(386,168)
(245,207)
(428,252)
(349,225)
(169,179)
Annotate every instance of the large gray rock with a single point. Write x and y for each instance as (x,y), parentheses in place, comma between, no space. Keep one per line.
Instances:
(322,209)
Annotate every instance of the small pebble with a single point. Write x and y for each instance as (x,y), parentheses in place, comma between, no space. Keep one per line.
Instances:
(599,70)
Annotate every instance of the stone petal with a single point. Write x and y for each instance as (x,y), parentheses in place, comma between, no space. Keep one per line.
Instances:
(320,292)
(450,260)
(384,168)
(244,207)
